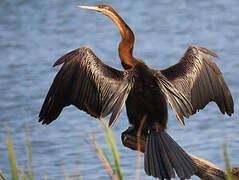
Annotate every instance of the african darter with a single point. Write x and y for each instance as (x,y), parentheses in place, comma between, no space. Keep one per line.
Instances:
(98,89)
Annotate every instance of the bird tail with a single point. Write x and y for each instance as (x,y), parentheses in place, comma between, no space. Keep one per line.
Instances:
(163,156)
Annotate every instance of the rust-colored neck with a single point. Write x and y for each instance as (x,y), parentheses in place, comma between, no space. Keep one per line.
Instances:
(127,43)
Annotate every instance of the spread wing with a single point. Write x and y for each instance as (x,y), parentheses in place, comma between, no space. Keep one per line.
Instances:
(197,78)
(89,84)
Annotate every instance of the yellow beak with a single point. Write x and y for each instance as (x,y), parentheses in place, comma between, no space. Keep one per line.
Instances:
(94,8)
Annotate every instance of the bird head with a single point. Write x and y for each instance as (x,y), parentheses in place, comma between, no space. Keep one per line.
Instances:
(104,9)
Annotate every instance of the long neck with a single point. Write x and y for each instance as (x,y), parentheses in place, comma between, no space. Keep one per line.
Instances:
(127,43)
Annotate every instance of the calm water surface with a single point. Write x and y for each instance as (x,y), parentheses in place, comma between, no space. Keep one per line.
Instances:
(33,34)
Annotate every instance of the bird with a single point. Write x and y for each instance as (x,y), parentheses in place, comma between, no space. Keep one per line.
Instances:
(100,90)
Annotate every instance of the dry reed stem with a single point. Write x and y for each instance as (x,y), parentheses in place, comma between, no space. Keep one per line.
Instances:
(138,146)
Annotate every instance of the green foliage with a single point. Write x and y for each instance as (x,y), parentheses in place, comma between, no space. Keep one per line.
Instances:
(12,157)
(1,176)
(227,162)
(75,175)
(115,172)
(29,153)
(24,177)
(13,162)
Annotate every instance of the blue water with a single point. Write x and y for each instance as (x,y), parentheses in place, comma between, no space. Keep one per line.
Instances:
(33,34)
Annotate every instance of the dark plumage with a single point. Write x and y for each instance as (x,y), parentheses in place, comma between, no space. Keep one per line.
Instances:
(87,83)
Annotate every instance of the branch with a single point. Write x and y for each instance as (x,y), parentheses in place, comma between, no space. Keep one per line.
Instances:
(205,169)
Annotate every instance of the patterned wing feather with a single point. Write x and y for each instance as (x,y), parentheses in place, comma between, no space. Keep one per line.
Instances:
(89,84)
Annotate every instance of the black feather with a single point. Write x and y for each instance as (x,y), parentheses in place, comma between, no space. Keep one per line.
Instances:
(163,155)
(87,83)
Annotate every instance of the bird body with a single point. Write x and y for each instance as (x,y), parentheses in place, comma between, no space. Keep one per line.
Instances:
(146,99)
(98,89)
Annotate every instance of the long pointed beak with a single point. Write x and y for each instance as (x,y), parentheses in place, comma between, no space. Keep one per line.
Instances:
(94,8)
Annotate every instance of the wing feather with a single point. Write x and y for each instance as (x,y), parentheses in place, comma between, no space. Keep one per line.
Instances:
(197,78)
(177,100)
(89,84)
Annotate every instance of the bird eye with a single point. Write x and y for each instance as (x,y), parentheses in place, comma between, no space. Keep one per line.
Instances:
(103,6)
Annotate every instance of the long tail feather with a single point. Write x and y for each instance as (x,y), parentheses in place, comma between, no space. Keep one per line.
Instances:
(163,157)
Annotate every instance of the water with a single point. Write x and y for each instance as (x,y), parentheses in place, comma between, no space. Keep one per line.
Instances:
(33,34)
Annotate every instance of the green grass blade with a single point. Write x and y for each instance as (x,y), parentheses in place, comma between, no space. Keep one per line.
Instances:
(107,141)
(1,175)
(24,177)
(104,159)
(2,178)
(29,153)
(114,151)
(12,157)
(227,162)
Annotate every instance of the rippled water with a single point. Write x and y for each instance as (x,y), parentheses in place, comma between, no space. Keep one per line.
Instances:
(33,34)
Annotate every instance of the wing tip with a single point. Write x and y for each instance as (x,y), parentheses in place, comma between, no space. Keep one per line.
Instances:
(182,121)
(68,56)
(204,50)
(59,61)
(43,121)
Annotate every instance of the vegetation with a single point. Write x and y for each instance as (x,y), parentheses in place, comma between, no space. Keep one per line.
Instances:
(115,172)
(18,174)
(13,161)
(227,163)
(111,164)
